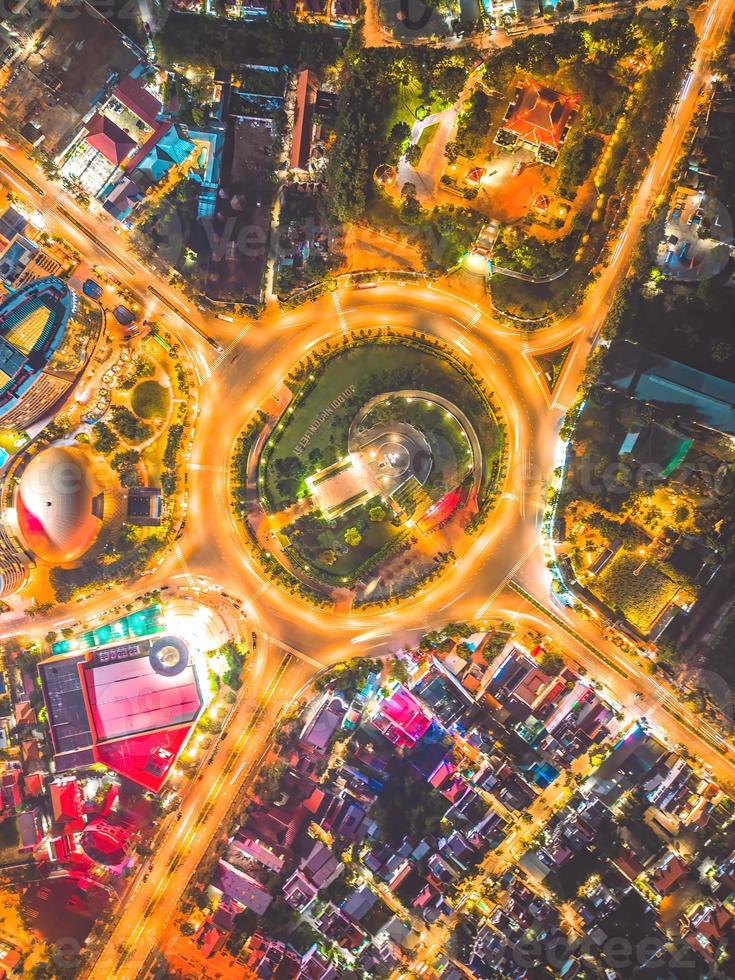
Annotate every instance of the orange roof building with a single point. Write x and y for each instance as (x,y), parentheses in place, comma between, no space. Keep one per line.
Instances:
(307,87)
(539,117)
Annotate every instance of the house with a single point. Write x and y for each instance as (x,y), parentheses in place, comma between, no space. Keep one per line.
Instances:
(669,874)
(30,829)
(299,892)
(359,902)
(209,939)
(24,713)
(256,850)
(402,719)
(271,958)
(30,756)
(322,725)
(338,926)
(538,117)
(10,787)
(10,959)
(321,866)
(34,784)
(708,927)
(67,803)
(243,888)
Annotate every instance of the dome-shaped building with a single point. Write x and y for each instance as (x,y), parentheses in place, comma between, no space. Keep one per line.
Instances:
(106,842)
(59,505)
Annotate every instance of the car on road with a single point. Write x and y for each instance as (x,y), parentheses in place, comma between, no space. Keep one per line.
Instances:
(123,315)
(91,288)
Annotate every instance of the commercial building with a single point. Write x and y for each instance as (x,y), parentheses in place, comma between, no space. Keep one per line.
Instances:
(125,146)
(47,333)
(307,88)
(687,393)
(129,706)
(59,505)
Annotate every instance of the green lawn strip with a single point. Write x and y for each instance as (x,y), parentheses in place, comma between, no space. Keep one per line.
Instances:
(426,135)
(332,471)
(309,541)
(372,368)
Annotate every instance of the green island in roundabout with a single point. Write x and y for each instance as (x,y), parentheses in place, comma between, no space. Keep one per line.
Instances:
(388,452)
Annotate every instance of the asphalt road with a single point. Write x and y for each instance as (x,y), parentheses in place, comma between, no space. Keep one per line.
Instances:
(234,381)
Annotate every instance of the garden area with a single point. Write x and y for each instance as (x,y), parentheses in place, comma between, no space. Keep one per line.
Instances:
(627,72)
(333,386)
(334,528)
(634,587)
(341,548)
(150,400)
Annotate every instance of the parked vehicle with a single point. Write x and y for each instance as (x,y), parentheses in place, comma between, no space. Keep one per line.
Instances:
(123,315)
(91,288)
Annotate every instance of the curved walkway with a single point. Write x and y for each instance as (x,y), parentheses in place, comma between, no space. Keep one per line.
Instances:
(457,414)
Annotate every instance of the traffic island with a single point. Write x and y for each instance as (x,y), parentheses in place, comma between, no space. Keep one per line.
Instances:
(387,456)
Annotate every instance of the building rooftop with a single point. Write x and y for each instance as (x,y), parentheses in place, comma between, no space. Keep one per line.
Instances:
(128,706)
(652,377)
(539,115)
(131,91)
(107,138)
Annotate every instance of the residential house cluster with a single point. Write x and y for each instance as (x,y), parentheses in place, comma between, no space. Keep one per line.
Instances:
(476,738)
(636,849)
(516,937)
(530,725)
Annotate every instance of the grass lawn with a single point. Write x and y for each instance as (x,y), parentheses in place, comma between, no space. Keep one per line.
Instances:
(402,108)
(426,135)
(311,537)
(149,400)
(640,598)
(358,374)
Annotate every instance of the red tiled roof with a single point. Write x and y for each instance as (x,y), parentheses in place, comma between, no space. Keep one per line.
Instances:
(669,874)
(108,139)
(540,115)
(133,94)
(33,784)
(306,91)
(66,799)
(628,863)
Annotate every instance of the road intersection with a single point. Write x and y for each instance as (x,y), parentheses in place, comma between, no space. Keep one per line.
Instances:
(238,367)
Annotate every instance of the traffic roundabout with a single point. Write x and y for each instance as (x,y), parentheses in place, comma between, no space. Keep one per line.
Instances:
(387,454)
